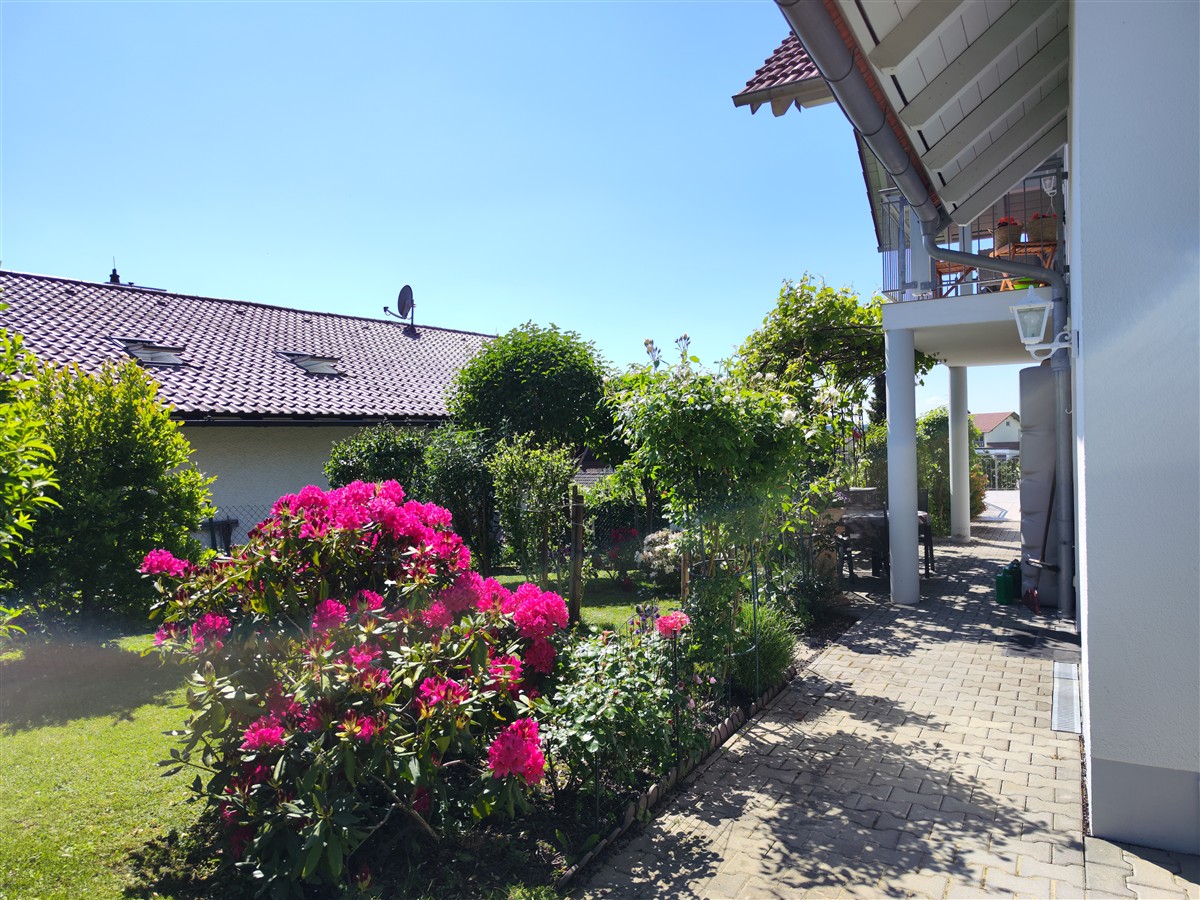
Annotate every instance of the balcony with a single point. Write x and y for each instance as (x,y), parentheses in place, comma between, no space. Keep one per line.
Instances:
(1025,225)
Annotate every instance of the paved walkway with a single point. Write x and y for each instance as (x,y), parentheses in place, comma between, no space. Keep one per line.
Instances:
(914,758)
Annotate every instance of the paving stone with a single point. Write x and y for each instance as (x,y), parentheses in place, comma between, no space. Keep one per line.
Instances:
(1157,892)
(1108,879)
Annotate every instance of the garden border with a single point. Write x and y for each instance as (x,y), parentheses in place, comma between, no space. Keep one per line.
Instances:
(656,793)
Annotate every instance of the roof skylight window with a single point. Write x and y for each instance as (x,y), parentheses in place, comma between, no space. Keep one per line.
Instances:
(150,352)
(312,364)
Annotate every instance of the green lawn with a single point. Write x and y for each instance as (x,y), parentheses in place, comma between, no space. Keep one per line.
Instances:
(81,727)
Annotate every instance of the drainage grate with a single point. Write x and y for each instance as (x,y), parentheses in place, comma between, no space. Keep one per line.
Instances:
(1064,710)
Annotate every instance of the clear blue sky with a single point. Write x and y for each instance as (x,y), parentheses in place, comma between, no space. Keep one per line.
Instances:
(572,162)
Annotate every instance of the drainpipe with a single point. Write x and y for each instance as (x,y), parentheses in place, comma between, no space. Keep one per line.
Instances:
(816,31)
(1060,365)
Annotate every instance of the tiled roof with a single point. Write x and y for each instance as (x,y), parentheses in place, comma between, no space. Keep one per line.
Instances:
(232,350)
(985,422)
(786,76)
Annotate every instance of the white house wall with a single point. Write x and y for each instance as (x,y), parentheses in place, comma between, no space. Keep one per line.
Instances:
(1134,239)
(1008,431)
(256,465)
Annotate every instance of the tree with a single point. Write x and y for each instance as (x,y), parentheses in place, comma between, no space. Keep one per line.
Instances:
(531,494)
(721,446)
(25,473)
(824,345)
(380,453)
(125,487)
(538,381)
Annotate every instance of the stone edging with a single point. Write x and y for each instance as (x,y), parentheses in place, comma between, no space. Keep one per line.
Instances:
(652,797)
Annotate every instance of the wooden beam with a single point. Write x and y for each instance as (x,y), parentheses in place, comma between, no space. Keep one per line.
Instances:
(1046,113)
(1004,33)
(1000,102)
(999,185)
(915,31)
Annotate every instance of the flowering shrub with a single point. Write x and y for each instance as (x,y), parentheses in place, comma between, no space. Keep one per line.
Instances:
(671,624)
(659,558)
(350,672)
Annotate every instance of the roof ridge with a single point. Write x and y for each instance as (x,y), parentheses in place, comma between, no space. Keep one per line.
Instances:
(161,292)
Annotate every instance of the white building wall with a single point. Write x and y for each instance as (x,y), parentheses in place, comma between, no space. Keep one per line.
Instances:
(256,465)
(1007,431)
(1134,238)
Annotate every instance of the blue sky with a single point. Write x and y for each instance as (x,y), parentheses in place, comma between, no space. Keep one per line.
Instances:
(573,162)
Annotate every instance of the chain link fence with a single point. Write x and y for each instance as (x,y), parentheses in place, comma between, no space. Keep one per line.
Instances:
(230,526)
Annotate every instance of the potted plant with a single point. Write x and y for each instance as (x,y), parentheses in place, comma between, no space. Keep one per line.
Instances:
(1043,227)
(1007,231)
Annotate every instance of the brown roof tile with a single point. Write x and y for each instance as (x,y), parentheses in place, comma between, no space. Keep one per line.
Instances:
(780,79)
(231,350)
(985,422)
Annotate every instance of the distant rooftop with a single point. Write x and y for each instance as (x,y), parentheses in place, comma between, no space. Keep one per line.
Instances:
(231,358)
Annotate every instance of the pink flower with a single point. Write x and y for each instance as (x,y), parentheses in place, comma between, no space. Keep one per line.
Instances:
(494,597)
(464,593)
(505,672)
(329,614)
(672,623)
(437,616)
(263,734)
(362,657)
(538,614)
(540,656)
(361,728)
(369,600)
(436,689)
(168,632)
(162,562)
(209,631)
(517,751)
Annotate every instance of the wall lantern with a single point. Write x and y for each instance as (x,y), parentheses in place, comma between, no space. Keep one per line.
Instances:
(1031,325)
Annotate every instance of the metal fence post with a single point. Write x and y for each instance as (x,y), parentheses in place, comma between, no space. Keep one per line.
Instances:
(577,514)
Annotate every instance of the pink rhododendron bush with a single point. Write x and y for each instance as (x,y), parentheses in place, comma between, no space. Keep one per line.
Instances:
(352,673)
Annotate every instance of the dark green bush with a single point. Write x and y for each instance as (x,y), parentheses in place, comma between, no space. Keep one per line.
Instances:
(381,453)
(458,479)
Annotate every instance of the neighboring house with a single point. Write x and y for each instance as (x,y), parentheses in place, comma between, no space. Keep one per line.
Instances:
(1000,430)
(263,392)
(970,113)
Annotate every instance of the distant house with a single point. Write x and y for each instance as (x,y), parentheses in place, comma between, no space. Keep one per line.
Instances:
(1001,430)
(263,392)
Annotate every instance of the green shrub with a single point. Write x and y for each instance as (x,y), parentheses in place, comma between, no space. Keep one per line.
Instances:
(614,708)
(380,453)
(25,457)
(776,646)
(458,479)
(125,485)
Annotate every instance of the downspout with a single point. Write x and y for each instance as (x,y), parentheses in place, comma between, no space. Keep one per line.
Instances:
(815,29)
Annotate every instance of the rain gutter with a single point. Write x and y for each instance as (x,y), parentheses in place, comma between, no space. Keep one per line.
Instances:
(834,56)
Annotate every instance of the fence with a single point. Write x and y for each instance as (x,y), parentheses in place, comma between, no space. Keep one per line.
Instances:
(230,526)
(1002,474)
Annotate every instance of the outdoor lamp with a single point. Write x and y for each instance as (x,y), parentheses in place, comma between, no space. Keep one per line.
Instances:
(1031,325)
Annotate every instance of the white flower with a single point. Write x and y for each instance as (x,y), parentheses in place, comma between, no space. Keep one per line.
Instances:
(789,416)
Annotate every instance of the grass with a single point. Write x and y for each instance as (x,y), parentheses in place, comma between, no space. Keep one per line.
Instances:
(81,728)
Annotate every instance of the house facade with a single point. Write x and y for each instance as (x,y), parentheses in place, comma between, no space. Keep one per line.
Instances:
(263,392)
(998,430)
(974,120)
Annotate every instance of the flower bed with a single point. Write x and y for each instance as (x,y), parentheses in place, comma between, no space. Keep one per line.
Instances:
(356,689)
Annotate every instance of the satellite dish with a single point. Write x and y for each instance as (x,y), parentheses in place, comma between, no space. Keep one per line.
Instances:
(404,302)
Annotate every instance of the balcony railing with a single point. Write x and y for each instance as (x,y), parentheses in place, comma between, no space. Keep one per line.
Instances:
(1035,209)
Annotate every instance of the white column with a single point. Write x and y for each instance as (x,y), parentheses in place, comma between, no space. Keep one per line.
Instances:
(960,457)
(902,465)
